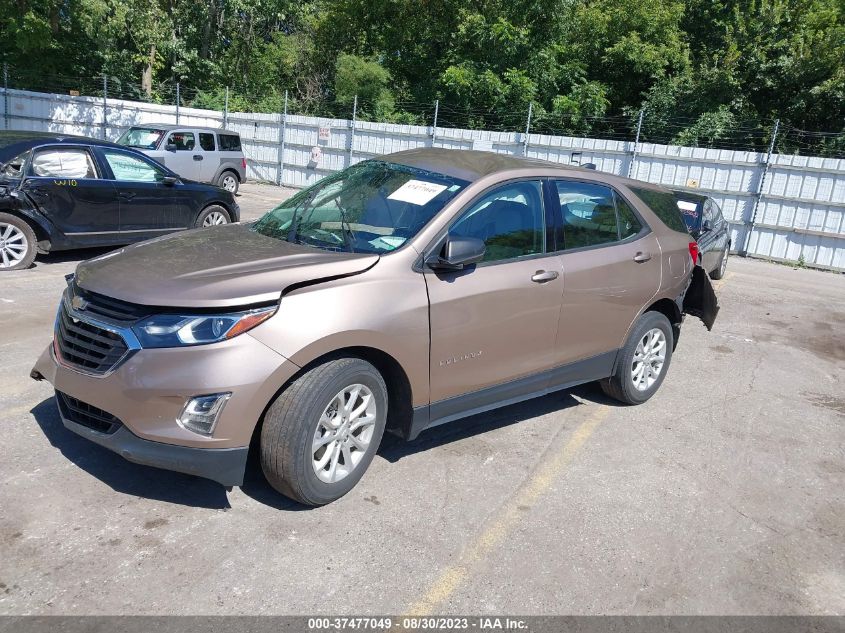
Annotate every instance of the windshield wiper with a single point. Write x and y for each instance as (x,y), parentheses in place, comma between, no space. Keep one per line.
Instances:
(346,229)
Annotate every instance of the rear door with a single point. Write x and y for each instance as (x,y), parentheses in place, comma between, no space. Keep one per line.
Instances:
(209,159)
(65,183)
(496,321)
(611,269)
(182,154)
(148,206)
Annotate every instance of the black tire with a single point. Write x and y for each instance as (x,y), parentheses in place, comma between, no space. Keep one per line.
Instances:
(291,424)
(208,211)
(621,386)
(719,272)
(227,177)
(19,233)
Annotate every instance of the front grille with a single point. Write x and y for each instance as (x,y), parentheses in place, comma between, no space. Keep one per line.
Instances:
(87,346)
(86,414)
(112,309)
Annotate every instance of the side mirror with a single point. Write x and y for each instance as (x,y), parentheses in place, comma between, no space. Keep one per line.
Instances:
(169,181)
(170,147)
(457,253)
(706,226)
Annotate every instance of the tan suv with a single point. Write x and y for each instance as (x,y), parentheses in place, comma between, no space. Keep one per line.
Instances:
(400,294)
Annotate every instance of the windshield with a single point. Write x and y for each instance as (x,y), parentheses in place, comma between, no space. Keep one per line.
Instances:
(371,207)
(142,137)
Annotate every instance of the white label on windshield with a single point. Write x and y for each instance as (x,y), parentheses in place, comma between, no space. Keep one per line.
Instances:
(417,192)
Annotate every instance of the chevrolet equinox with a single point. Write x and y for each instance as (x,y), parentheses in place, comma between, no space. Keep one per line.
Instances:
(398,294)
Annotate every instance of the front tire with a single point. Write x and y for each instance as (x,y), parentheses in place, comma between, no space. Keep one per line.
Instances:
(321,434)
(229,181)
(17,243)
(213,215)
(643,361)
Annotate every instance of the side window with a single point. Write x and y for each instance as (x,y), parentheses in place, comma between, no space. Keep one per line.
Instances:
(628,223)
(184,141)
(718,218)
(229,142)
(14,168)
(63,162)
(129,168)
(664,204)
(587,213)
(708,213)
(509,219)
(207,141)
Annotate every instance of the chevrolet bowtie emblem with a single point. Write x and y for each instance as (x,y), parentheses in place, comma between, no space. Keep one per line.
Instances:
(78,303)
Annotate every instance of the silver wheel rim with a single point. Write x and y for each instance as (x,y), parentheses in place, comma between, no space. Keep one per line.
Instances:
(214,218)
(724,262)
(13,245)
(344,433)
(648,359)
(229,183)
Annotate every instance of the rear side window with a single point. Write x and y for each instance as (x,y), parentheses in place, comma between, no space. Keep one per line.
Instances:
(14,168)
(229,142)
(587,214)
(207,141)
(629,224)
(70,162)
(664,205)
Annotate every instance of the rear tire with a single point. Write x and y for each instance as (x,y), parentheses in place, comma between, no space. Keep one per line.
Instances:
(229,181)
(723,265)
(643,361)
(17,243)
(314,448)
(213,215)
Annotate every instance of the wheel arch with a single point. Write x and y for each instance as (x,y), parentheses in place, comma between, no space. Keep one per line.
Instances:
(671,310)
(40,226)
(399,395)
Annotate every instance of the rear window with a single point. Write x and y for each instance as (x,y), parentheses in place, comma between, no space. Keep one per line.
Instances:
(690,212)
(664,205)
(207,141)
(229,142)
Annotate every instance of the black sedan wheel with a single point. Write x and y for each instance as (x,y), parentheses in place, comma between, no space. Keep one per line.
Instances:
(17,243)
(213,216)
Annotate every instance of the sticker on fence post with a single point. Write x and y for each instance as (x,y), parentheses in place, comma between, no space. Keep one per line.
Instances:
(324,133)
(417,192)
(316,155)
(692,183)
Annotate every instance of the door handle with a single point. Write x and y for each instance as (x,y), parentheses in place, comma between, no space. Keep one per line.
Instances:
(197,157)
(127,195)
(641,257)
(542,276)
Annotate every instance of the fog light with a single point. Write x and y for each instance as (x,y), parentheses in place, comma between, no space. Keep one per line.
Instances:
(201,412)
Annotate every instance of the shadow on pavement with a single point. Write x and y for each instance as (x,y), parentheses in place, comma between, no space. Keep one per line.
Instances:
(124,476)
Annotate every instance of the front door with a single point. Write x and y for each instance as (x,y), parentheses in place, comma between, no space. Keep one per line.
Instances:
(66,186)
(611,269)
(496,321)
(148,206)
(182,155)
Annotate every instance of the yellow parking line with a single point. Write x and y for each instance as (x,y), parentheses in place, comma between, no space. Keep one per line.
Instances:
(526,497)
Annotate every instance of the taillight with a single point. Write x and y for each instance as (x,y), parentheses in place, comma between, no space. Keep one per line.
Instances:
(243,163)
(693,252)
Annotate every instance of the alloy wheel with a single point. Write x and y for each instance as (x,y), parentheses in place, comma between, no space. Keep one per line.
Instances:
(13,245)
(344,433)
(649,358)
(229,183)
(214,218)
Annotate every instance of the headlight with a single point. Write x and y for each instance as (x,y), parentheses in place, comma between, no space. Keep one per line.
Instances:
(177,330)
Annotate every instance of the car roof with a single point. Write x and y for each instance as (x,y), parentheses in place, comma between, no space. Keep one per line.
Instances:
(472,165)
(14,142)
(173,126)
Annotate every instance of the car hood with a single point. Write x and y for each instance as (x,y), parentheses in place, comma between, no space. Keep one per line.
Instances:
(215,267)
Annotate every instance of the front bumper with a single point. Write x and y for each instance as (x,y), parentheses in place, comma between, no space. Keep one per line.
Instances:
(223,465)
(147,390)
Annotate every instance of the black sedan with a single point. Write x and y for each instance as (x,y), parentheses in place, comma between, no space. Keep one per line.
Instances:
(706,224)
(62,192)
